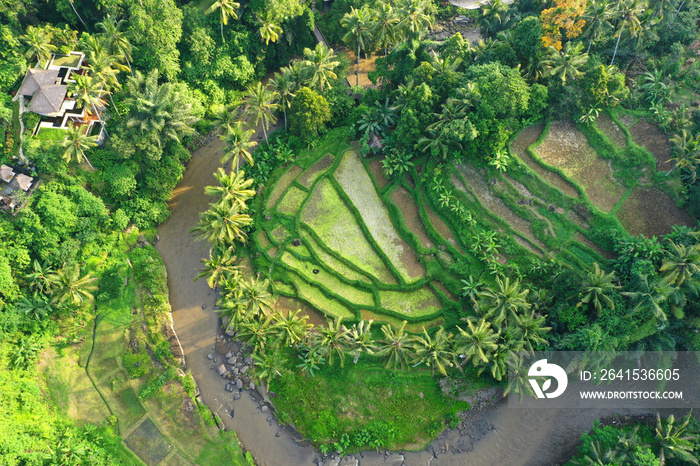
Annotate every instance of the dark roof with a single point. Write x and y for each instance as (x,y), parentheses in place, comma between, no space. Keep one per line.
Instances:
(36,79)
(48,99)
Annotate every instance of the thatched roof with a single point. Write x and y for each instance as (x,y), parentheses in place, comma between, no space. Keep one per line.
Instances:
(36,79)
(23,182)
(48,99)
(6,173)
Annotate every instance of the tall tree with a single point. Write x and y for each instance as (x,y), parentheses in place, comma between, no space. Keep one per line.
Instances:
(227,9)
(434,351)
(233,190)
(394,347)
(219,267)
(71,288)
(292,329)
(261,105)
(255,297)
(675,440)
(38,43)
(477,342)
(566,63)
(332,341)
(597,288)
(386,23)
(222,225)
(682,263)
(508,297)
(76,143)
(597,17)
(630,12)
(321,61)
(117,40)
(285,87)
(238,144)
(416,21)
(268,29)
(359,26)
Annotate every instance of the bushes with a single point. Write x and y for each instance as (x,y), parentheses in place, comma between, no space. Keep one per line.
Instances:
(112,284)
(30,120)
(137,365)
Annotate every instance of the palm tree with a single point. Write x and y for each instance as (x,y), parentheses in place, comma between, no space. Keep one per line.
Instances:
(358,23)
(222,225)
(686,150)
(38,43)
(269,365)
(467,97)
(321,61)
(674,440)
(116,40)
(71,287)
(76,13)
(470,288)
(493,14)
(238,144)
(434,351)
(261,105)
(36,307)
(519,382)
(76,143)
(256,332)
(285,87)
(394,347)
(291,329)
(310,362)
(360,339)
(567,62)
(597,17)
(298,74)
(225,119)
(477,342)
(531,329)
(234,189)
(104,69)
(332,341)
(415,20)
(506,298)
(40,277)
(87,93)
(219,267)
(682,263)
(649,297)
(597,287)
(631,11)
(435,143)
(385,25)
(255,297)
(227,9)
(268,29)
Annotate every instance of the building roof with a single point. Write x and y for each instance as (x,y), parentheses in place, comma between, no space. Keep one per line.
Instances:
(36,79)
(6,173)
(48,99)
(24,182)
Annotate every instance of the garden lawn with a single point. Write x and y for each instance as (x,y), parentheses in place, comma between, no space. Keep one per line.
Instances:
(403,409)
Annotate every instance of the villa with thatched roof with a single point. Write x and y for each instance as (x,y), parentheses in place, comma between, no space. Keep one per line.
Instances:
(15,189)
(45,92)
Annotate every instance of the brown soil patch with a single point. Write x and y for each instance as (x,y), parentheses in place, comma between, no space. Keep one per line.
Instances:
(627,119)
(585,241)
(411,217)
(286,305)
(377,169)
(652,139)
(496,205)
(611,130)
(366,65)
(525,139)
(439,225)
(272,252)
(651,212)
(410,261)
(312,173)
(566,148)
(444,290)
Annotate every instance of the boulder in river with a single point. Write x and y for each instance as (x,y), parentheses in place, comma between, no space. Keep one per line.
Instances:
(221,370)
(239,384)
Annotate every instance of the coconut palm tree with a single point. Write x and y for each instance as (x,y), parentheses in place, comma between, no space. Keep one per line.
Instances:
(116,39)
(394,347)
(649,297)
(255,298)
(234,189)
(360,339)
(333,341)
(434,351)
(359,26)
(227,9)
(298,74)
(531,329)
(493,15)
(506,298)
(285,87)
(38,43)
(321,61)
(219,267)
(311,361)
(269,365)
(436,144)
(566,63)
(76,143)
(519,383)
(477,342)
(291,329)
(686,151)
(238,144)
(681,263)
(71,288)
(597,17)
(675,441)
(415,20)
(261,105)
(225,119)
(597,288)
(104,69)
(222,225)
(39,278)
(256,332)
(87,92)
(630,13)
(386,23)
(72,5)
(268,29)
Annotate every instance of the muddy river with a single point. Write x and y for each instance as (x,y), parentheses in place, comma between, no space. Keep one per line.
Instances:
(494,436)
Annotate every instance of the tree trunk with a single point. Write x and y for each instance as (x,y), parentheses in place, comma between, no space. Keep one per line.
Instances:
(265,134)
(222,33)
(284,109)
(114,106)
(357,73)
(589,45)
(76,14)
(616,44)
(677,11)
(238,162)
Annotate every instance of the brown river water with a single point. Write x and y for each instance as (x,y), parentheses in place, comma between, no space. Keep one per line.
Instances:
(493,436)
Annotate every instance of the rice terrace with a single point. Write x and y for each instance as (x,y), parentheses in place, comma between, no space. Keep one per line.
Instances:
(338,236)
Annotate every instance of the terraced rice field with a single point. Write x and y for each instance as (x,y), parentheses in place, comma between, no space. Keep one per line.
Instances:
(332,244)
